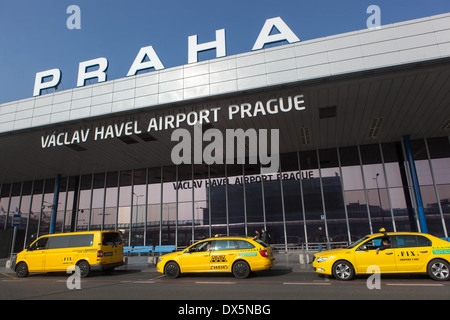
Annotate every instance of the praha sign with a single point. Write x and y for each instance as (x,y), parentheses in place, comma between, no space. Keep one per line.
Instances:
(148,59)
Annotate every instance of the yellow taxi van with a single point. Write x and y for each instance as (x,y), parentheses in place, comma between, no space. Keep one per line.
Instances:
(238,255)
(90,251)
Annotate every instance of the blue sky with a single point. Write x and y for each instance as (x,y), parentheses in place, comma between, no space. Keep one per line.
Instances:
(34,36)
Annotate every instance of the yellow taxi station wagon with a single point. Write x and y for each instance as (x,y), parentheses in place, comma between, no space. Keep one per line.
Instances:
(92,250)
(399,252)
(238,255)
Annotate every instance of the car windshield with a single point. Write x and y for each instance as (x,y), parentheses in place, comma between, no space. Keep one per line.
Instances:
(354,244)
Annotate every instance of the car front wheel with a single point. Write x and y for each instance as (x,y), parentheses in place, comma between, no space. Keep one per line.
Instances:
(172,270)
(343,270)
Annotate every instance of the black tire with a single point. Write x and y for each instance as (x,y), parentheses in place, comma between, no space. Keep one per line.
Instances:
(85,268)
(241,269)
(439,270)
(172,270)
(22,270)
(343,270)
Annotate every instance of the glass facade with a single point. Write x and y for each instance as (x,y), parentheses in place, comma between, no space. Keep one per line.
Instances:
(349,191)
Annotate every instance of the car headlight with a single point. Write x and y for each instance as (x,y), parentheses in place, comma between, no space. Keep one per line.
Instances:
(321,259)
(160,259)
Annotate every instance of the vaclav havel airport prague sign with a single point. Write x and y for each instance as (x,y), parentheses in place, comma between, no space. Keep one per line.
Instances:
(147,57)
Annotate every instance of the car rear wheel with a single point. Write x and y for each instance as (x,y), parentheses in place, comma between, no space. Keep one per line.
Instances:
(172,270)
(22,270)
(343,270)
(439,270)
(241,269)
(85,268)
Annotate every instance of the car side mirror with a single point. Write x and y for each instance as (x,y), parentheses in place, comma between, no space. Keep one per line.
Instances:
(362,248)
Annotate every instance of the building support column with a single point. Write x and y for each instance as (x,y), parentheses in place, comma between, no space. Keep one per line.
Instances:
(55,203)
(415,182)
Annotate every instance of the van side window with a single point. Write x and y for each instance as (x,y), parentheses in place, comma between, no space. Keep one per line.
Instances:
(41,244)
(71,241)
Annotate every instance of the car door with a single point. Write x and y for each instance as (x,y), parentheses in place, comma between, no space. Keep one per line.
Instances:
(196,258)
(35,256)
(412,253)
(223,254)
(366,255)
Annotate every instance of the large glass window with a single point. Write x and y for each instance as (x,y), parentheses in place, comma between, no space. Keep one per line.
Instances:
(332,195)
(312,195)
(295,231)
(169,205)
(201,202)
(236,212)
(427,190)
(355,197)
(254,199)
(138,210)
(185,213)
(154,206)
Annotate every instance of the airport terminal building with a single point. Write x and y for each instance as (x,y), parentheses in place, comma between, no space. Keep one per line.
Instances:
(362,123)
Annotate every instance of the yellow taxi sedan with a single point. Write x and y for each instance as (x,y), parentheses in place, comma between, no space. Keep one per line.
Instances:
(239,255)
(399,252)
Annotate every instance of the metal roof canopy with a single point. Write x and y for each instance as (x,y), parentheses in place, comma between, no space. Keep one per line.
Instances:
(379,105)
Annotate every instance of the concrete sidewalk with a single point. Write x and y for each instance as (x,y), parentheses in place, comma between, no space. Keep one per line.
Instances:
(294,261)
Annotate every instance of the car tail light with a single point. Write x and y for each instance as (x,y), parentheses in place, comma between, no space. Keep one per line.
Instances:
(99,253)
(264,253)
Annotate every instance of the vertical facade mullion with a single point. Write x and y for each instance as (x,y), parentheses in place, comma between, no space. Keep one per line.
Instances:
(387,189)
(117,203)
(176,205)
(102,227)
(226,200)
(131,208)
(245,200)
(283,211)
(263,196)
(9,206)
(301,195)
(209,199)
(349,235)
(146,207)
(410,190)
(90,203)
(322,196)
(365,190)
(40,209)
(435,189)
(29,214)
(65,205)
(161,206)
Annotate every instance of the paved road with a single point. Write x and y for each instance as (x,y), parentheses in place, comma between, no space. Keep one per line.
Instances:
(276,284)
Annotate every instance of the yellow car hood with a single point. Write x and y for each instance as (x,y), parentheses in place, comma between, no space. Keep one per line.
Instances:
(333,252)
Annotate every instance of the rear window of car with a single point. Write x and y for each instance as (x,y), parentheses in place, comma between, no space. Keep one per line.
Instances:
(111,239)
(242,244)
(265,245)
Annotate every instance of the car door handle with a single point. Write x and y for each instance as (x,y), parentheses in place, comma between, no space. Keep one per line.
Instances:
(423,251)
(389,253)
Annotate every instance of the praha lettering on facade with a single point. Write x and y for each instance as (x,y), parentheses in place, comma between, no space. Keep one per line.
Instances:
(147,57)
